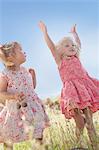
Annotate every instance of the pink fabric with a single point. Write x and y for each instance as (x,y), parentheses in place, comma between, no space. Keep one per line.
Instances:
(12,126)
(79,89)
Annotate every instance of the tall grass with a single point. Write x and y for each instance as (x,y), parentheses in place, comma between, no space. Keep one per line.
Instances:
(60,135)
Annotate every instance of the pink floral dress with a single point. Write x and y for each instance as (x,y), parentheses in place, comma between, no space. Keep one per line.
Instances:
(12,114)
(79,89)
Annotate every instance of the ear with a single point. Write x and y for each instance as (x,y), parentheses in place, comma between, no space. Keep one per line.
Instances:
(10,58)
(9,61)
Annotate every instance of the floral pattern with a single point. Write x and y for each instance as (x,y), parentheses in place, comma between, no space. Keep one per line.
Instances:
(15,115)
(79,89)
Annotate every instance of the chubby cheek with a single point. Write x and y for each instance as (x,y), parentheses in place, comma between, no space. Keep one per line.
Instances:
(24,58)
(64,50)
(67,51)
(74,53)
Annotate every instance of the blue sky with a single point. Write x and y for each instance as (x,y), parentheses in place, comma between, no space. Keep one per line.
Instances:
(19,22)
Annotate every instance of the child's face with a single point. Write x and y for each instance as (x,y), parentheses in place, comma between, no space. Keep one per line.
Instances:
(69,48)
(19,57)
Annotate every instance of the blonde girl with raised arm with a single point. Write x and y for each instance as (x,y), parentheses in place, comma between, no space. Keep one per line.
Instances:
(80,92)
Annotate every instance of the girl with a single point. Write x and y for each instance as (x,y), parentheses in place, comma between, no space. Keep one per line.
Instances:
(80,92)
(21,103)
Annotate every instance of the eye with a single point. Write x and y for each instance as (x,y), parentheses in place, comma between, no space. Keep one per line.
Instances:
(73,45)
(66,45)
(24,53)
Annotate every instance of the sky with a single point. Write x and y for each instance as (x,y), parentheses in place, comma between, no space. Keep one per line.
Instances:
(19,22)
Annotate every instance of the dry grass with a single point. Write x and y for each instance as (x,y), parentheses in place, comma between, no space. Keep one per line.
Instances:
(60,135)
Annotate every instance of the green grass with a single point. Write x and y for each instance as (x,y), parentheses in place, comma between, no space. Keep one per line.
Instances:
(60,135)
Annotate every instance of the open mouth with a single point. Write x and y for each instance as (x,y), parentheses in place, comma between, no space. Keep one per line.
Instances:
(25,54)
(72,50)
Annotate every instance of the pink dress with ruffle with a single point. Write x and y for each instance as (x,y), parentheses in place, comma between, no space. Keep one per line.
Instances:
(11,115)
(79,89)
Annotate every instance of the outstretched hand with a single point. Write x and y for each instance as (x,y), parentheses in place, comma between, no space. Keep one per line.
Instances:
(73,29)
(31,71)
(42,26)
(19,97)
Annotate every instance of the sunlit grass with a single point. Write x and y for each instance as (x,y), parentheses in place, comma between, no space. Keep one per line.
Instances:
(60,135)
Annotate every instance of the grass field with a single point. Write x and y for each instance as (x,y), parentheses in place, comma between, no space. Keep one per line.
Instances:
(60,135)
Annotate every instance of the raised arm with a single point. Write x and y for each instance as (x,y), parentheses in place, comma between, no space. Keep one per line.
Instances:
(49,42)
(32,72)
(75,35)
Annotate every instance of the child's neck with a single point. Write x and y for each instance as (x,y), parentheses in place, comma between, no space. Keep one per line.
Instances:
(14,68)
(17,68)
(64,56)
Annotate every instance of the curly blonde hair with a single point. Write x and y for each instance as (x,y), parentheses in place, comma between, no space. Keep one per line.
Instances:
(7,50)
(60,45)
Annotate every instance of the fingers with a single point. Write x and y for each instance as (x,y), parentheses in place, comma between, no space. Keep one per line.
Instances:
(73,29)
(41,23)
(42,26)
(31,70)
(75,25)
(20,97)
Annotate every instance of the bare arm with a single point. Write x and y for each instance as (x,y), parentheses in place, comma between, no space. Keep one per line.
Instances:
(4,95)
(49,42)
(32,72)
(75,35)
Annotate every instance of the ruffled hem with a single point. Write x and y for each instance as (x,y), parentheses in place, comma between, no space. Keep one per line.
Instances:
(68,111)
(80,93)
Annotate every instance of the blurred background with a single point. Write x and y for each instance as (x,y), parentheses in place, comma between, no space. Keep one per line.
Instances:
(19,22)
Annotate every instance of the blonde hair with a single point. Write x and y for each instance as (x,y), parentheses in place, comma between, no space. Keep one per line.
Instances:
(7,50)
(59,46)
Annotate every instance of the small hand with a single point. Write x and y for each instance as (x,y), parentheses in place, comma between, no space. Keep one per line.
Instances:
(73,29)
(20,97)
(31,71)
(43,27)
